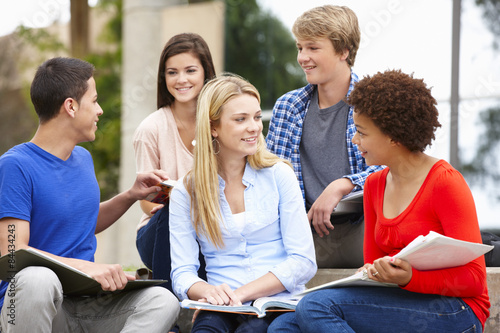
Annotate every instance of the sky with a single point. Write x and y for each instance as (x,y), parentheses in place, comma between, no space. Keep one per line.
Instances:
(414,36)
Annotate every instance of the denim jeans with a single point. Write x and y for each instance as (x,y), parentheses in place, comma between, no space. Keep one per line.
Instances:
(220,322)
(41,307)
(377,309)
(153,245)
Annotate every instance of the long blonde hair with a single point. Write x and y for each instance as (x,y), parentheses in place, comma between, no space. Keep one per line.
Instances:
(202,182)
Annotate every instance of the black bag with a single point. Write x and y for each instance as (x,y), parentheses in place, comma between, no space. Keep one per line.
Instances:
(492,258)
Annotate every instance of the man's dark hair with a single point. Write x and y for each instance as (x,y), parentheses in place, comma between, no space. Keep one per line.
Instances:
(57,79)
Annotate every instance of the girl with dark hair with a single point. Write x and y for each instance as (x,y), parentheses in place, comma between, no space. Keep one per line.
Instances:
(165,139)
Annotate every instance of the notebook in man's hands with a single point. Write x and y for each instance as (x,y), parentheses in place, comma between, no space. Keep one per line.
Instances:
(74,282)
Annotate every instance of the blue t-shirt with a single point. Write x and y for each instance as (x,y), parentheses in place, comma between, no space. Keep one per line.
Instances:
(60,199)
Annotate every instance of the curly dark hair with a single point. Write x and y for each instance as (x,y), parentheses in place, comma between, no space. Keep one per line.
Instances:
(400,106)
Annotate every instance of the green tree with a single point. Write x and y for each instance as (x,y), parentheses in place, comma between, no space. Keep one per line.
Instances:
(105,149)
(491,13)
(258,47)
(19,121)
(262,50)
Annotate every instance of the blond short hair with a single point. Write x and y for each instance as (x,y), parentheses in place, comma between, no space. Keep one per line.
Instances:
(337,23)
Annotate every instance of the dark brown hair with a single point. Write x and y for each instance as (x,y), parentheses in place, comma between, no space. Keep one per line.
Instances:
(182,43)
(401,106)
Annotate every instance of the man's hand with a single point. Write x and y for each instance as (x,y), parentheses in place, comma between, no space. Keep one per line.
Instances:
(145,184)
(111,277)
(111,210)
(320,212)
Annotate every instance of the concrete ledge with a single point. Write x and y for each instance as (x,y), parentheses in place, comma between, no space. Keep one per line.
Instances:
(184,320)
(493,279)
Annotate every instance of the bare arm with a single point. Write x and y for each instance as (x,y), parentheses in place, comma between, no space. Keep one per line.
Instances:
(148,206)
(322,208)
(219,295)
(112,209)
(14,235)
(266,285)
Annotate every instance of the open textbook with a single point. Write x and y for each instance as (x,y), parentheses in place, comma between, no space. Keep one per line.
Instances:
(259,307)
(74,282)
(433,251)
(163,195)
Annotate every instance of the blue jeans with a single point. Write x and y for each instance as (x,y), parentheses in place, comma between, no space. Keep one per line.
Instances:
(377,309)
(221,322)
(153,245)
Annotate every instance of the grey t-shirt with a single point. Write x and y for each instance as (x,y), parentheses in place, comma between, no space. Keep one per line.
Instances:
(323,147)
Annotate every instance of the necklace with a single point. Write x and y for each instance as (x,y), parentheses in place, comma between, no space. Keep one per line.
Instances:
(193,143)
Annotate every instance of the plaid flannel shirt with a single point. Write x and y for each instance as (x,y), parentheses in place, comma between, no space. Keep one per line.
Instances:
(285,132)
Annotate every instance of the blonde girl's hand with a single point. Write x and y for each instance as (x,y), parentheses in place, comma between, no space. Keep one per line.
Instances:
(220,295)
(195,314)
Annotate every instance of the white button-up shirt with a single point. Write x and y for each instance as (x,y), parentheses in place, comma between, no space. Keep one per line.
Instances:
(276,237)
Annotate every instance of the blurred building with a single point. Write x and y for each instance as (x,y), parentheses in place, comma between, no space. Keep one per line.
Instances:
(147,25)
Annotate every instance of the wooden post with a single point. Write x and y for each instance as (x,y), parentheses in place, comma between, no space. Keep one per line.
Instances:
(79,28)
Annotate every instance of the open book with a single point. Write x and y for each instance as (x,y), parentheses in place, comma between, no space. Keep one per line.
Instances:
(74,282)
(430,252)
(350,203)
(163,195)
(259,307)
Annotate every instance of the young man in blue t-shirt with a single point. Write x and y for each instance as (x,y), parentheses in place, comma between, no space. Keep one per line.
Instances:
(49,201)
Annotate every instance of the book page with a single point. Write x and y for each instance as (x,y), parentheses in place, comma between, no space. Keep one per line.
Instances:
(436,251)
(259,306)
(73,281)
(190,304)
(265,303)
(358,279)
(433,251)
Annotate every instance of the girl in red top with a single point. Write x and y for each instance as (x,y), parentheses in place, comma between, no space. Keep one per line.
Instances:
(396,117)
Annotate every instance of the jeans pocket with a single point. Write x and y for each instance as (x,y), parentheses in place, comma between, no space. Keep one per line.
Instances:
(471,329)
